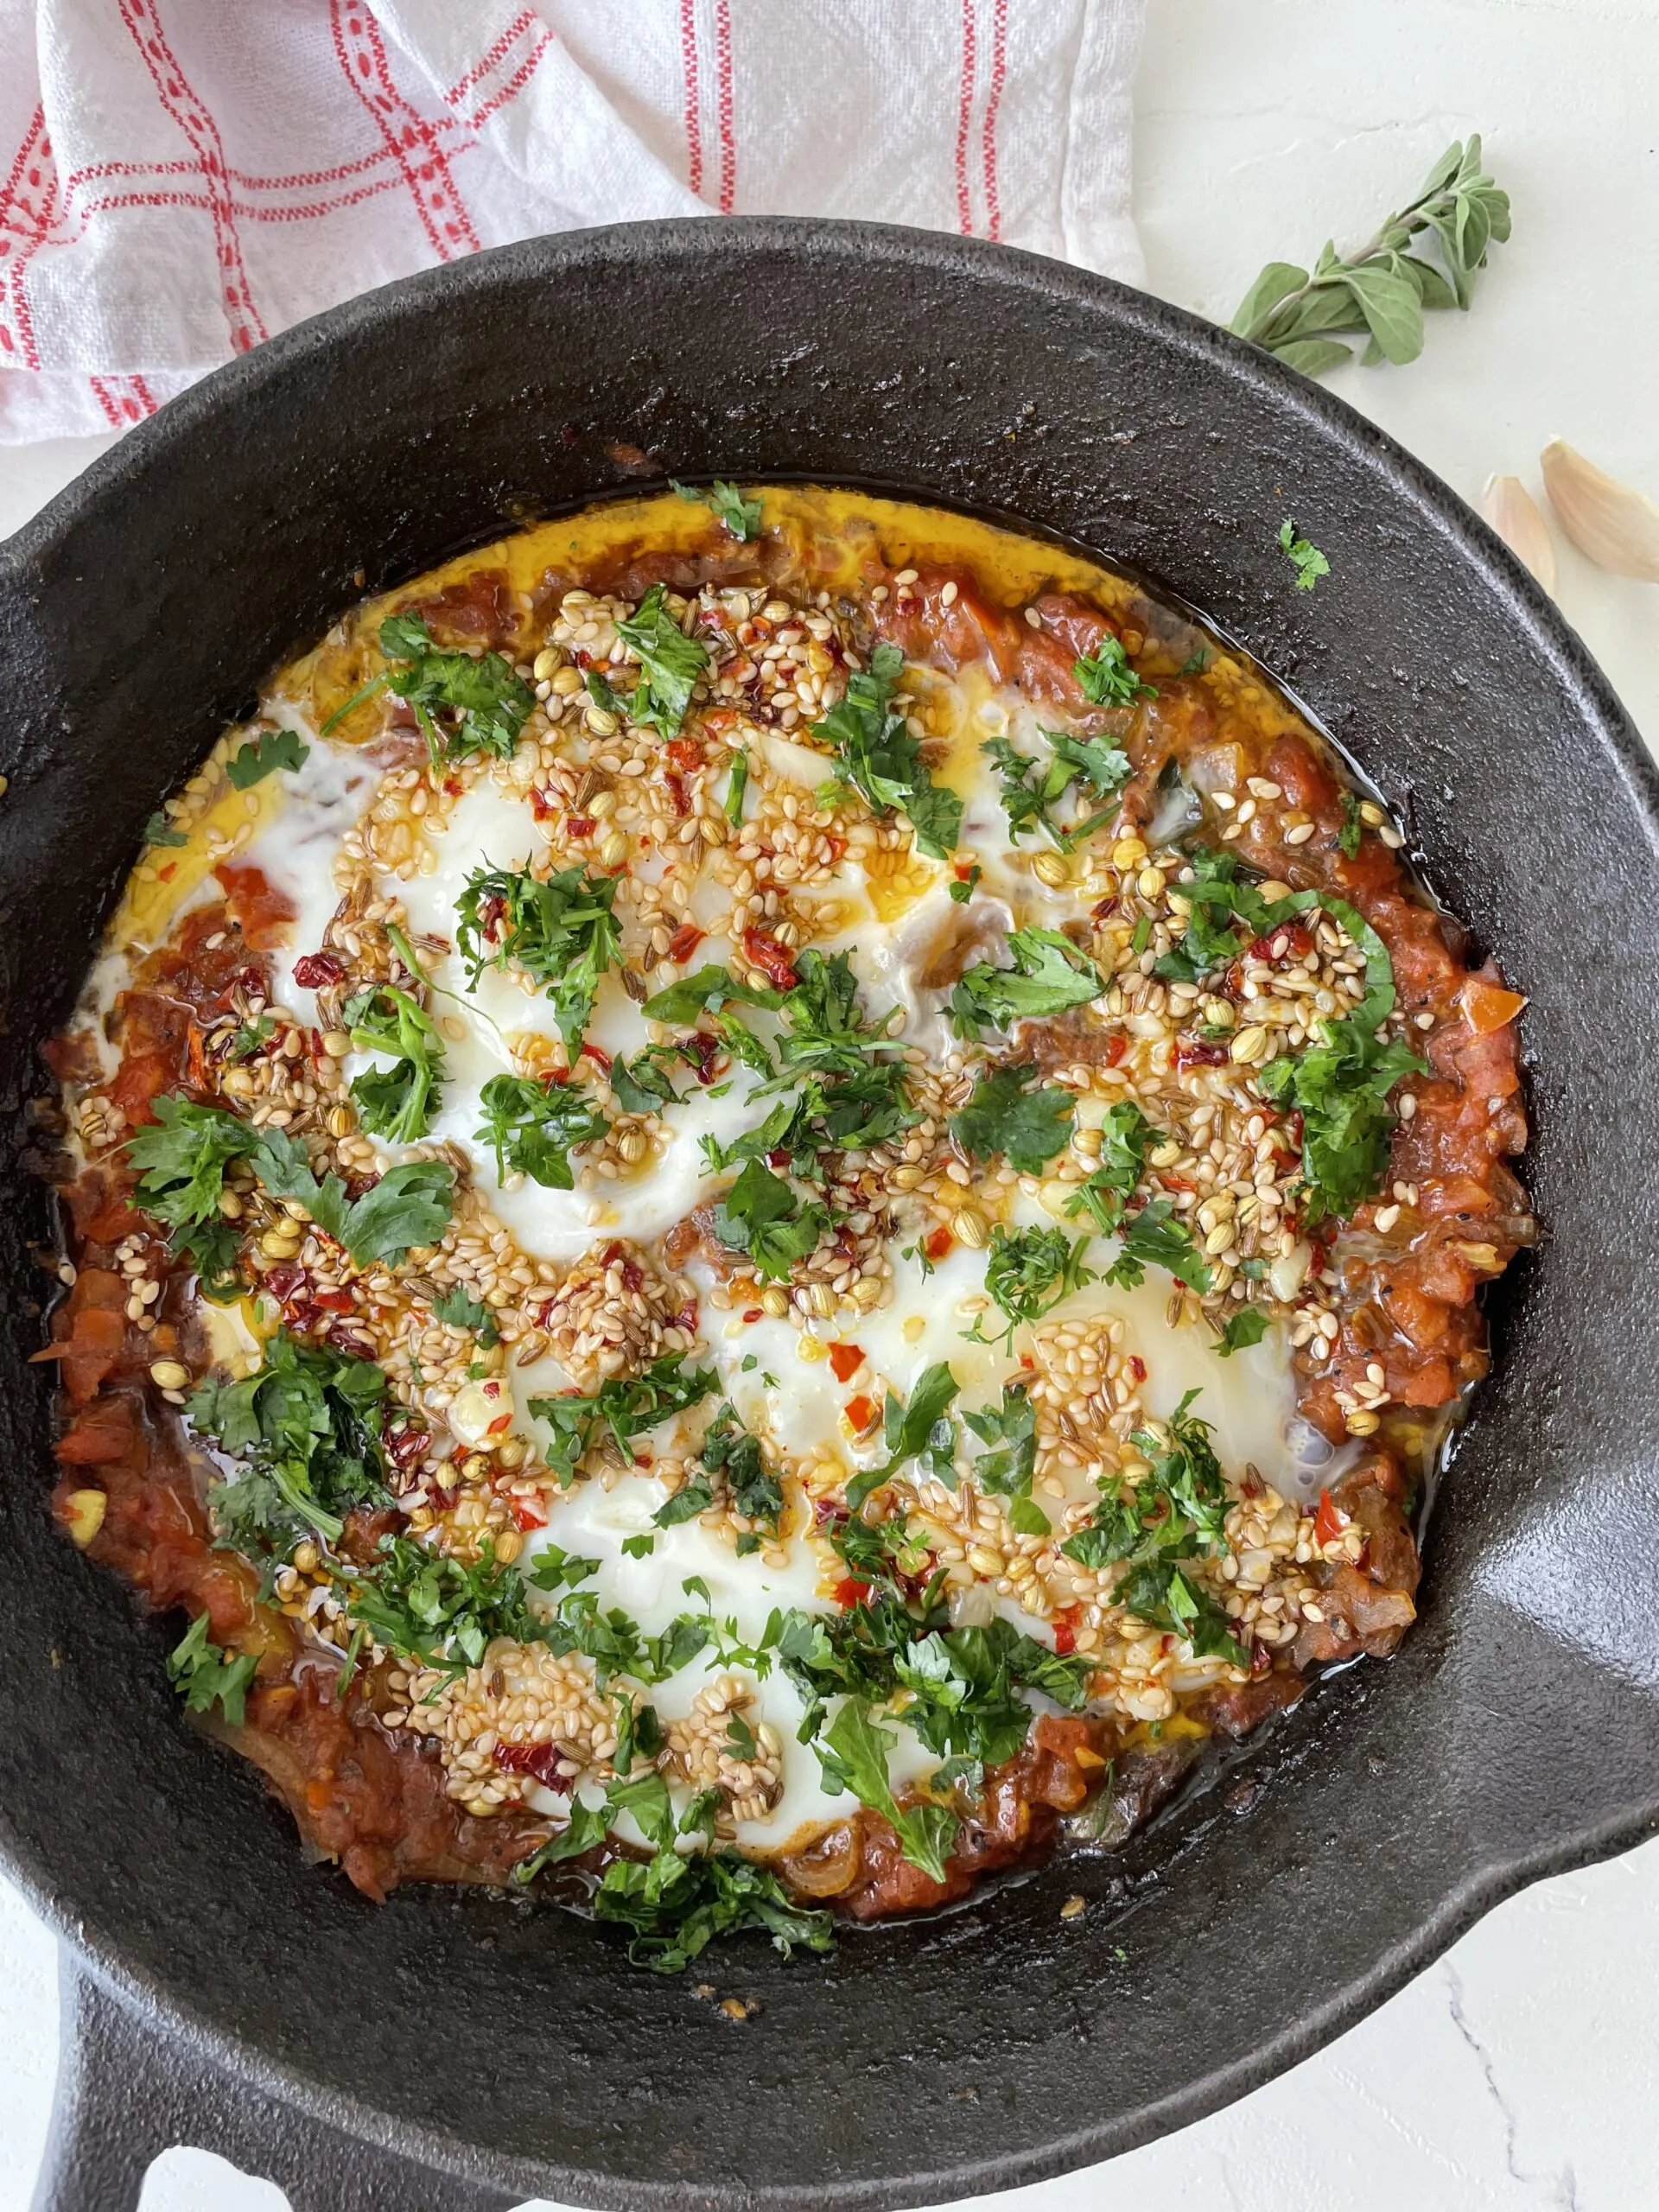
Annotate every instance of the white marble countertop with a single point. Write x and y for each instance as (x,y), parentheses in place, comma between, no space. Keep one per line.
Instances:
(1514,2076)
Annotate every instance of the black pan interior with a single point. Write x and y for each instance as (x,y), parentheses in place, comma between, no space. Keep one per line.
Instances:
(1514,1734)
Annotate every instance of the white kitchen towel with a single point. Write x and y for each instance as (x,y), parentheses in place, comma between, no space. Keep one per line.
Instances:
(180,179)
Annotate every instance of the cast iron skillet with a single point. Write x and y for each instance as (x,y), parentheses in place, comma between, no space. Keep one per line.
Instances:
(449,2050)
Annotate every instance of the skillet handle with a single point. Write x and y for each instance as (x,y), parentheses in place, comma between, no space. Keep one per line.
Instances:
(126,2094)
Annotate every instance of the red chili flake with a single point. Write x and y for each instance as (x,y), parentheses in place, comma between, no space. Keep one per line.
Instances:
(1066,1634)
(542,808)
(596,1054)
(686,1319)
(1137,1367)
(408,1441)
(501,1421)
(1261,1658)
(288,1283)
(1329,1520)
(937,1243)
(845,1360)
(684,942)
(850,1592)
(686,753)
(313,969)
(1117,1045)
(541,1760)
(1194,1052)
(1291,941)
(634,1277)
(1175,1182)
(705,1051)
(528,1513)
(677,792)
(779,1156)
(580,825)
(1104,910)
(168,872)
(754,1313)
(335,1301)
(860,1411)
(837,846)
(775,960)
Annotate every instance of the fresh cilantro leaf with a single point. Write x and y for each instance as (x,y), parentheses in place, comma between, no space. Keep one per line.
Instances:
(1011,1430)
(877,753)
(249,1037)
(1029,1272)
(159,831)
(461,1310)
(643,1084)
(676,1905)
(854,1754)
(1049,974)
(561,933)
(1027,1126)
(309,1425)
(730,1450)
(627,1405)
(534,1126)
(639,1547)
(672,663)
(741,516)
(205,1677)
(1308,562)
(963,888)
(1159,1594)
(1125,1133)
(409,1206)
(464,705)
(183,1156)
(558,1569)
(712,987)
(1351,834)
(922,1429)
(1247,1326)
(737,783)
(428,1606)
(396,1103)
(692,1498)
(264,755)
(762,1216)
(1105,677)
(1030,791)
(587,1828)
(1154,1238)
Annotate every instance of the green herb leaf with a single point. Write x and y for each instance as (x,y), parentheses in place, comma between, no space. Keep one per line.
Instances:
(1049,975)
(877,755)
(963,888)
(1125,1133)
(534,1126)
(1308,562)
(205,1677)
(737,783)
(458,1309)
(1154,1238)
(1247,1326)
(562,933)
(397,1103)
(160,832)
(854,1755)
(252,763)
(922,1429)
(183,1156)
(1011,1430)
(483,703)
(672,663)
(628,1406)
(730,1450)
(1382,288)
(741,516)
(1353,832)
(1027,1126)
(1106,678)
(762,1216)
(1030,1272)
(712,987)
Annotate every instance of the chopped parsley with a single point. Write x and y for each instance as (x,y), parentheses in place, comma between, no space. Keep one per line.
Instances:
(963,888)
(731,1452)
(458,1309)
(409,1206)
(261,756)
(762,1216)
(880,757)
(854,1753)
(1030,791)
(923,1430)
(1027,1126)
(1154,1239)
(1308,562)
(1105,677)
(562,933)
(737,783)
(1125,1133)
(1029,1272)
(463,705)
(396,1103)
(671,663)
(205,1677)
(1007,1469)
(430,1606)
(1353,832)
(1247,1326)
(534,1126)
(1049,975)
(306,1425)
(158,830)
(628,1406)
(741,516)
(711,989)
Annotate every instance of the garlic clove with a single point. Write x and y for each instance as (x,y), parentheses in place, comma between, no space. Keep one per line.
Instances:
(1609,523)
(1509,508)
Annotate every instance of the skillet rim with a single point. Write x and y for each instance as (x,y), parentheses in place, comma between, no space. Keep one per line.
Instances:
(1287,397)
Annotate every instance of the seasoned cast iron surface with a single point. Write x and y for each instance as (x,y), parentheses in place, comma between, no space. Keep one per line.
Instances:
(1514,1734)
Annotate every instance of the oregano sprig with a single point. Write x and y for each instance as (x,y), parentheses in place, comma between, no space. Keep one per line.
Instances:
(1382,289)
